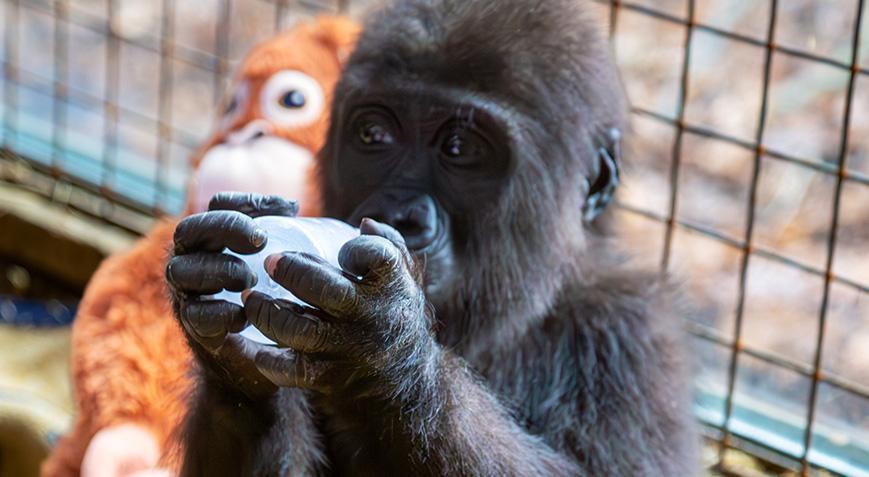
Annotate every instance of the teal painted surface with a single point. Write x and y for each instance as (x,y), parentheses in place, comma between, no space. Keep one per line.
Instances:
(132,175)
(768,422)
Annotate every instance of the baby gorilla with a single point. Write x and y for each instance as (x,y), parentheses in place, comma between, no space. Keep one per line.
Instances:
(479,325)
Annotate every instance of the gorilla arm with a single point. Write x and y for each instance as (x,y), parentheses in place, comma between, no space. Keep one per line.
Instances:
(597,382)
(405,403)
(239,423)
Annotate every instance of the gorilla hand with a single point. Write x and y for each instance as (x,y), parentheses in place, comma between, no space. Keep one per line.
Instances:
(198,269)
(369,333)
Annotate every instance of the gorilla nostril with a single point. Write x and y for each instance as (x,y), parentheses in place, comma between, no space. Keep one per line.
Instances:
(417,235)
(408,227)
(412,214)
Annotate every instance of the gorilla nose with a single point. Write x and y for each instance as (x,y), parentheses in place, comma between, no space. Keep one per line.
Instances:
(415,218)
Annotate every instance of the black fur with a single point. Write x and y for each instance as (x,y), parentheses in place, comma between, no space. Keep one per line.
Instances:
(539,352)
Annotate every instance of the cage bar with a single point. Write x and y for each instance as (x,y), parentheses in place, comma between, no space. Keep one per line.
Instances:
(842,161)
(101,198)
(676,158)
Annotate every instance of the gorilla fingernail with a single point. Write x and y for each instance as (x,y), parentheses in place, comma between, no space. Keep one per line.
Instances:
(259,237)
(271,262)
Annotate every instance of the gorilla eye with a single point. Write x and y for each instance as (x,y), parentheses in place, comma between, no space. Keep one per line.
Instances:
(372,134)
(292,99)
(454,146)
(464,148)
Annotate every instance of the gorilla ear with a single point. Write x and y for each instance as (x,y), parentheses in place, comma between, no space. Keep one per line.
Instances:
(601,190)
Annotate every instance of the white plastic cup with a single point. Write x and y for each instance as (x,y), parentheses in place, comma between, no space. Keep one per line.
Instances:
(316,236)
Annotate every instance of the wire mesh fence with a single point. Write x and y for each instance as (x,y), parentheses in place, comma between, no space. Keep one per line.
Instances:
(111,97)
(803,398)
(748,173)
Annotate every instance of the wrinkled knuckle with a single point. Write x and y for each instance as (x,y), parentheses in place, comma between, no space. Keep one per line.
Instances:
(373,250)
(280,324)
(269,201)
(319,337)
(387,249)
(308,372)
(254,308)
(192,314)
(348,298)
(273,325)
(283,329)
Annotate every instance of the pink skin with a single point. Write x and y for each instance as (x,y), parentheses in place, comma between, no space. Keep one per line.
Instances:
(123,450)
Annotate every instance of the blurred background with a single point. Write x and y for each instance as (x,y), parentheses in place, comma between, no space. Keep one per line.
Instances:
(747,176)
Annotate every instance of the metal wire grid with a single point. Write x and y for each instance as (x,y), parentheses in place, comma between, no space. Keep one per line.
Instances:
(218,64)
(163,42)
(745,244)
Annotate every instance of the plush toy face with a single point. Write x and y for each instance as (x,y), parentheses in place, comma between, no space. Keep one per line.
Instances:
(276,118)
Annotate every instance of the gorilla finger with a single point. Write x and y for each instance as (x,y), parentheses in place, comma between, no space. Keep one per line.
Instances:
(371,257)
(238,349)
(370,226)
(210,321)
(313,280)
(216,230)
(209,273)
(287,368)
(286,323)
(254,205)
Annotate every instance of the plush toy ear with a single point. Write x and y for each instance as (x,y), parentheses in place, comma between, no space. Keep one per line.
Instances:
(339,34)
(603,187)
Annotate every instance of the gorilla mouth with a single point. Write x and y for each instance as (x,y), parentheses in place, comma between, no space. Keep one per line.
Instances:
(438,242)
(435,260)
(416,215)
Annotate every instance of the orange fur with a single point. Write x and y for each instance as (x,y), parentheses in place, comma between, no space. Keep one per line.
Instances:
(303,48)
(130,362)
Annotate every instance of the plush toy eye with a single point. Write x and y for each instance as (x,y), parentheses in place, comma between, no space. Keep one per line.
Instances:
(291,99)
(232,106)
(372,134)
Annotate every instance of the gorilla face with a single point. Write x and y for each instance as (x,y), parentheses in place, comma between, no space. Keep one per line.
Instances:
(480,146)
(424,166)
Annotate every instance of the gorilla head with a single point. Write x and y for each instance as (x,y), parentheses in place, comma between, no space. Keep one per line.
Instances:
(486,145)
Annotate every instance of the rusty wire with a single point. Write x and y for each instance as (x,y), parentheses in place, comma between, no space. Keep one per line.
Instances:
(737,348)
(219,65)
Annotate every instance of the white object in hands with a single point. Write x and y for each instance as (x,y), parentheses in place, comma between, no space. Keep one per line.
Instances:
(316,236)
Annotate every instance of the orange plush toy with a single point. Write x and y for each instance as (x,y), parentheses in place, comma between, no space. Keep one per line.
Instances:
(130,361)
